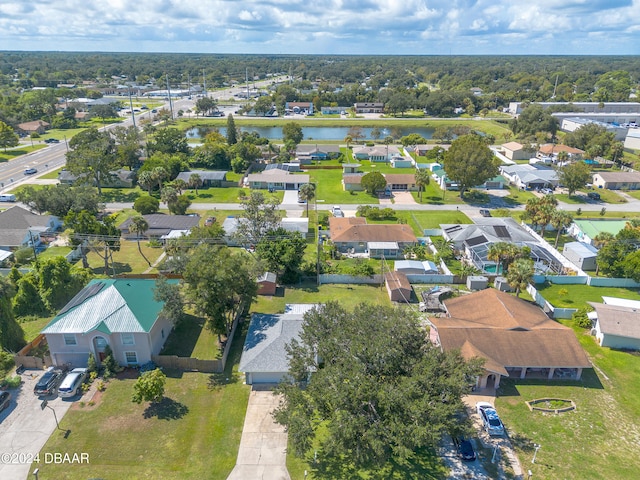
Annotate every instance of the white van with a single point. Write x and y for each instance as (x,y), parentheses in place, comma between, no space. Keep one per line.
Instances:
(7,197)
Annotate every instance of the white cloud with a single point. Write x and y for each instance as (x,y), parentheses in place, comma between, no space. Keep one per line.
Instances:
(321,26)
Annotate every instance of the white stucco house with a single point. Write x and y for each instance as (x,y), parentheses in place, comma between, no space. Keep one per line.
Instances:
(120,313)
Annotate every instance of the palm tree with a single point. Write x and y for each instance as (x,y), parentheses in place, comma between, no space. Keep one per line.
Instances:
(348,140)
(195,181)
(560,219)
(160,175)
(179,185)
(520,274)
(602,240)
(423,178)
(138,226)
(497,251)
(146,180)
(169,196)
(307,192)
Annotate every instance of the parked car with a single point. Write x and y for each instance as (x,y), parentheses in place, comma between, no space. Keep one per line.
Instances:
(52,140)
(465,449)
(490,419)
(485,212)
(5,399)
(593,196)
(337,212)
(547,191)
(30,171)
(48,382)
(209,221)
(71,384)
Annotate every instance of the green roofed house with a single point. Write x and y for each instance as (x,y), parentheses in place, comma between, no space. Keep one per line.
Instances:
(586,230)
(121,313)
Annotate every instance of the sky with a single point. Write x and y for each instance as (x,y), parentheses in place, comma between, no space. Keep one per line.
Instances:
(384,27)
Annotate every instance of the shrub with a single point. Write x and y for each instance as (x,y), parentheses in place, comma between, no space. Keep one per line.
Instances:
(146,204)
(13,382)
(92,365)
(92,376)
(581,318)
(100,386)
(85,387)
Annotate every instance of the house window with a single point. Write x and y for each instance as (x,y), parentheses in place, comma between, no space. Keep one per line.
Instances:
(70,339)
(130,357)
(127,339)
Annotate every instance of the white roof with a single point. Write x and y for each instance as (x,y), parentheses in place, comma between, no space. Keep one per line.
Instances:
(621,302)
(382,245)
(175,234)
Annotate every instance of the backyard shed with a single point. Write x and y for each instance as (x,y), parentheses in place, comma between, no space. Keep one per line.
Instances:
(477,282)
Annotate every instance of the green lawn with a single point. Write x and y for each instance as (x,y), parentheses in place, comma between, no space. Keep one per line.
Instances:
(420,219)
(52,175)
(310,292)
(576,296)
(54,252)
(593,442)
(32,327)
(606,196)
(127,259)
(634,193)
(193,434)
(330,191)
(192,339)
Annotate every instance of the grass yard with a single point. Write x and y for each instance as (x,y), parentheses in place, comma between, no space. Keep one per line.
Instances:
(54,252)
(576,296)
(127,259)
(193,434)
(192,339)
(606,196)
(31,326)
(52,175)
(347,295)
(329,189)
(226,195)
(592,442)
(634,193)
(421,219)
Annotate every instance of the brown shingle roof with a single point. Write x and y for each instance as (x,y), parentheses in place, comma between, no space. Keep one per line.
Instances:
(512,146)
(400,178)
(507,332)
(355,229)
(616,320)
(549,148)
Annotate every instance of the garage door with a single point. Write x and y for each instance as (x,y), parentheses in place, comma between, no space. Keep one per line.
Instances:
(267,377)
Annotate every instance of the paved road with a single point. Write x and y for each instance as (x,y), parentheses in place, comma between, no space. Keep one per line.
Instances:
(25,428)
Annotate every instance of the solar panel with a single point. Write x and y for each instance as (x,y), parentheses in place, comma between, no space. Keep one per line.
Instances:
(476,241)
(501,231)
(81,296)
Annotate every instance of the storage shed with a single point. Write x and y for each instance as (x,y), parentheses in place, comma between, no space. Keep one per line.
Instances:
(582,255)
(477,282)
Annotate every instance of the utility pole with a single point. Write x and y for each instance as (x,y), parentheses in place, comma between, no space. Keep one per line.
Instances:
(169,95)
(133,115)
(33,245)
(246,81)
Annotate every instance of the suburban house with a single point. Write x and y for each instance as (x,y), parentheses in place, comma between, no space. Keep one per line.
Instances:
(306,154)
(377,153)
(120,313)
(264,357)
(210,178)
(398,287)
(276,180)
(515,151)
(352,182)
(400,182)
(20,228)
(121,178)
(476,239)
(530,177)
(267,283)
(552,150)
(37,126)
(353,235)
(422,149)
(230,226)
(299,107)
(369,107)
(582,255)
(617,180)
(587,230)
(161,225)
(617,324)
(348,168)
(398,161)
(334,110)
(514,337)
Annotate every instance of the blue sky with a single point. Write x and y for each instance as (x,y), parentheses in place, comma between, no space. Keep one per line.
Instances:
(421,27)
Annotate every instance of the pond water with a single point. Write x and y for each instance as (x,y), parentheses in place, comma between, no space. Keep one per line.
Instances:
(318,133)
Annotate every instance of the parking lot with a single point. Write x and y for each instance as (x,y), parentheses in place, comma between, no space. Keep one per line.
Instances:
(25,427)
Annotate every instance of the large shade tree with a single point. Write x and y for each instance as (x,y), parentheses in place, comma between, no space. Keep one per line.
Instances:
(470,162)
(371,384)
(92,154)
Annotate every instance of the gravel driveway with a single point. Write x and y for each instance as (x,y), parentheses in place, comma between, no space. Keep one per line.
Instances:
(25,427)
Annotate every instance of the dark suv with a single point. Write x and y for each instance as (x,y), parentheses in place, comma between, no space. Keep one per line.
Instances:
(48,382)
(593,195)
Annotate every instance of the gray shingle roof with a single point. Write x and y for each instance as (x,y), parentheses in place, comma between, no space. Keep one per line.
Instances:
(204,175)
(160,224)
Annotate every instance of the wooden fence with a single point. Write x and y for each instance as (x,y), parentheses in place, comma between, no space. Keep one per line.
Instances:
(29,361)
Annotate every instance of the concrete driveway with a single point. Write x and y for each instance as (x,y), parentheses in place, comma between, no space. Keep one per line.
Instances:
(263,447)
(25,427)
